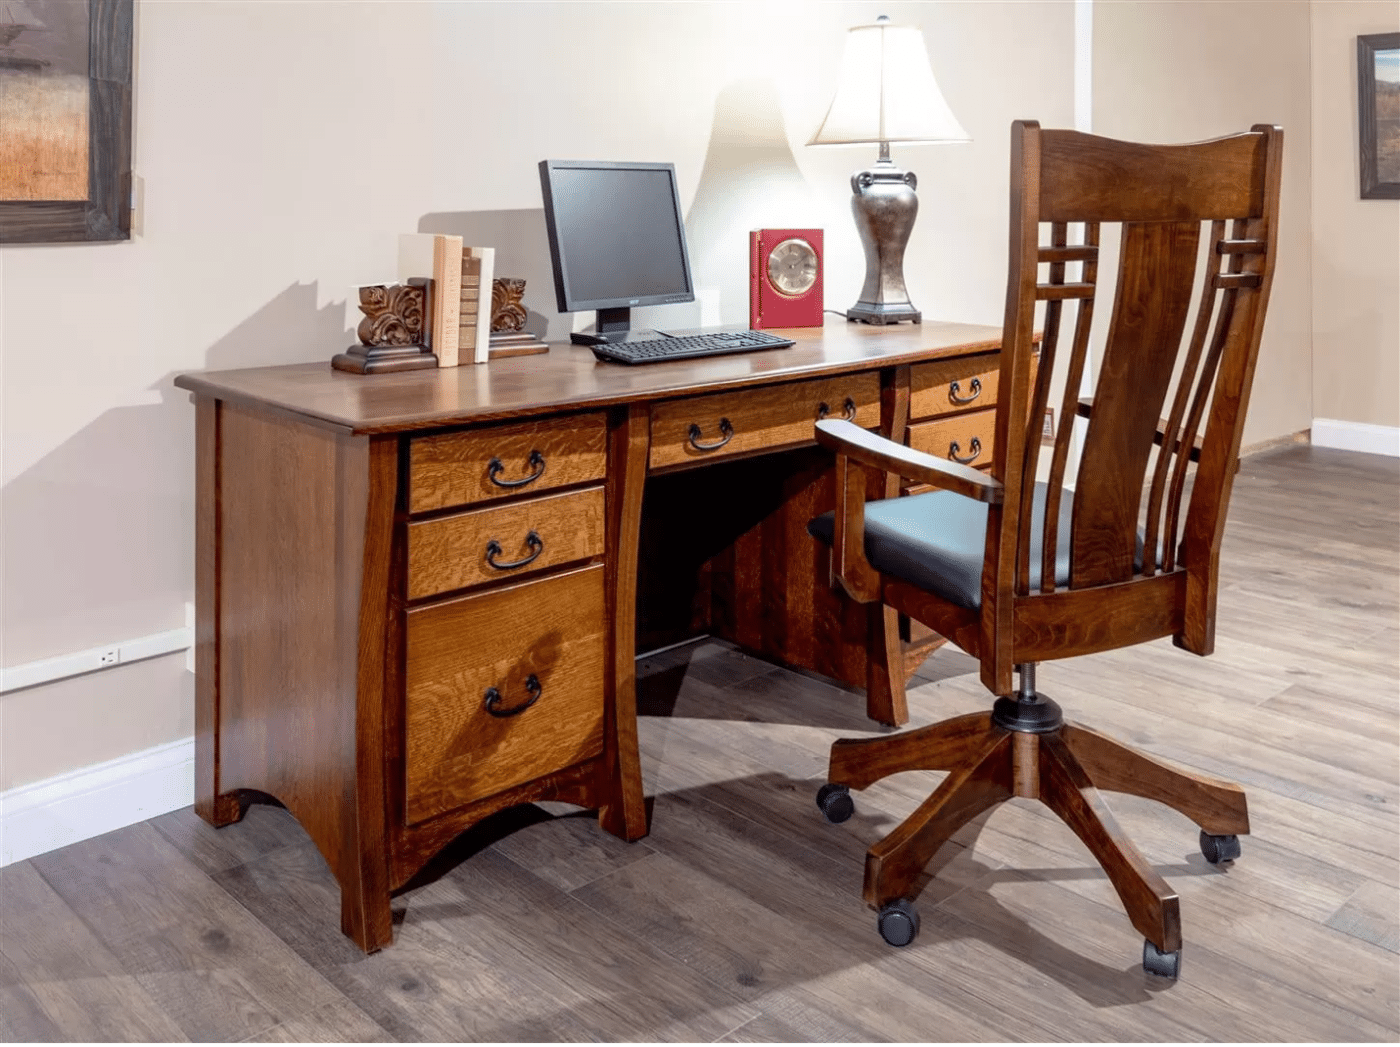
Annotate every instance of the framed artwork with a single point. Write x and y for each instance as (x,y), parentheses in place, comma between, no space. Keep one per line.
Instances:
(1378,112)
(65,104)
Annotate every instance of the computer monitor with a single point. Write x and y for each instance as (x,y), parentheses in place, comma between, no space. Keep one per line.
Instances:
(617,240)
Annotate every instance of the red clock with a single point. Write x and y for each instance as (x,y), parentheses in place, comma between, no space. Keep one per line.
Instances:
(785,278)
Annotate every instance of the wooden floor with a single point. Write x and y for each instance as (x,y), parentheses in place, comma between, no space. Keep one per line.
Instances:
(739,917)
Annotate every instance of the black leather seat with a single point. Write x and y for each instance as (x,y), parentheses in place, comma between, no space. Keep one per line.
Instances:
(938,541)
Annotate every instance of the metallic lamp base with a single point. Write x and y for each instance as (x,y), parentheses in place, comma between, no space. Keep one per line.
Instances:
(885,206)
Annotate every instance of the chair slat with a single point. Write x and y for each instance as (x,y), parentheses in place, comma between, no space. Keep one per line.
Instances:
(1074,375)
(1059,236)
(1185,383)
(1201,396)
(1156,272)
(1053,292)
(1072,253)
(1240,247)
(1223,280)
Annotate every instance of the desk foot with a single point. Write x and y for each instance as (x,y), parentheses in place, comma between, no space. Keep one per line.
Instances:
(366,918)
(219,810)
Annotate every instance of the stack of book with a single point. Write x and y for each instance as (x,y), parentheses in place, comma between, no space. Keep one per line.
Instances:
(460,322)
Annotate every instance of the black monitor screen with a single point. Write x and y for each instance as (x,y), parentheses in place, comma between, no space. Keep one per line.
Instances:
(616,234)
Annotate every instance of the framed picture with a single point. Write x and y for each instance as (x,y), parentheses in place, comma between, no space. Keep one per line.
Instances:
(65,104)
(1378,112)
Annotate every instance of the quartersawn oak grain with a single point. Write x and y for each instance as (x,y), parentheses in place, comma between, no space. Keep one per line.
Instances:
(455,468)
(451,552)
(931,391)
(457,751)
(767,419)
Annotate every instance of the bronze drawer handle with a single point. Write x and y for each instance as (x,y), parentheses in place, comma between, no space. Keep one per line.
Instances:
(493,699)
(726,428)
(849,414)
(953,450)
(493,550)
(976,392)
(495,467)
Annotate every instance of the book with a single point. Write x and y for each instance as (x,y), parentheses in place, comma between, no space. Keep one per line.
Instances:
(439,257)
(474,314)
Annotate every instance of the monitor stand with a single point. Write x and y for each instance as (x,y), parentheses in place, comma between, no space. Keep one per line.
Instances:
(612,327)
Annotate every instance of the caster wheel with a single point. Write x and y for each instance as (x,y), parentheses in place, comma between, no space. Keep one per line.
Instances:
(835,802)
(1219,849)
(899,922)
(1162,964)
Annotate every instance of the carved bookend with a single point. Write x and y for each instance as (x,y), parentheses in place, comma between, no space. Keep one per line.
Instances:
(507,308)
(393,334)
(508,334)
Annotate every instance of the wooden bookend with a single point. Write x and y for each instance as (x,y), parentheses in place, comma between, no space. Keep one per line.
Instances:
(392,332)
(508,315)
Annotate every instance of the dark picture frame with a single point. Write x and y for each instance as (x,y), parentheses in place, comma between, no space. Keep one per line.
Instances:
(1378,132)
(106,213)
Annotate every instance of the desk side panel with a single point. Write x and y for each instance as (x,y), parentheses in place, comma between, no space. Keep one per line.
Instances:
(304,513)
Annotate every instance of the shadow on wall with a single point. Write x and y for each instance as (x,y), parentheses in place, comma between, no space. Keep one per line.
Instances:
(98,535)
(750,181)
(522,251)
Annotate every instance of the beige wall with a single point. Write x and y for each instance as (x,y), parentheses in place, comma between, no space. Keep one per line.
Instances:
(1355,242)
(283,147)
(1196,69)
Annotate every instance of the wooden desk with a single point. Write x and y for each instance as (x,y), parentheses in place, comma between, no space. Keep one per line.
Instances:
(419,596)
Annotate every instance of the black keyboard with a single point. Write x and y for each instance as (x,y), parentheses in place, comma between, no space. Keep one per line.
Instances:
(657,350)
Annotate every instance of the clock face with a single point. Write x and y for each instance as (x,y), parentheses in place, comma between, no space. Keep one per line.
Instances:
(792,267)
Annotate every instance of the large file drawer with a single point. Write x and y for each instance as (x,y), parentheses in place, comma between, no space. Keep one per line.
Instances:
(533,653)
(701,429)
(476,465)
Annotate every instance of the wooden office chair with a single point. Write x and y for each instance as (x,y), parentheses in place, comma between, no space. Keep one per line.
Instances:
(1015,571)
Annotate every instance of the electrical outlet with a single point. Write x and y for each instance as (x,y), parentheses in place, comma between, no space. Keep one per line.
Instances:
(1047,428)
(111,656)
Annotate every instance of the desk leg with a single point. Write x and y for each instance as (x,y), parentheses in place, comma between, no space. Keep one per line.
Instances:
(216,809)
(624,811)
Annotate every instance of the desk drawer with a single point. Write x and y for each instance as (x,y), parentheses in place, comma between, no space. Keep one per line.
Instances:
(703,428)
(492,545)
(931,385)
(538,645)
(968,438)
(456,468)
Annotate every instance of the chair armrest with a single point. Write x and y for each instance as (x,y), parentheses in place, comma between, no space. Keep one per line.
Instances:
(875,451)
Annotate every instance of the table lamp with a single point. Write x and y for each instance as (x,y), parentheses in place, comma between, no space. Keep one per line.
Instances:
(885,92)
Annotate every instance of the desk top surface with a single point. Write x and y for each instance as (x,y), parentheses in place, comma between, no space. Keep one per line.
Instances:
(570,376)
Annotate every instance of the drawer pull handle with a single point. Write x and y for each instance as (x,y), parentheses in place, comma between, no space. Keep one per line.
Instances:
(495,467)
(493,699)
(976,392)
(849,414)
(726,428)
(493,550)
(953,450)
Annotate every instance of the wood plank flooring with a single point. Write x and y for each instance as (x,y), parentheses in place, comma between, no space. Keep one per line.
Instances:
(739,917)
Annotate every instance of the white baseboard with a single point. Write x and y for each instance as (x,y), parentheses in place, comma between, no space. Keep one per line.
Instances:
(1356,436)
(94,800)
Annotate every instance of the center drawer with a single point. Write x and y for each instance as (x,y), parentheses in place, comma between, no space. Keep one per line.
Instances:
(703,428)
(501,688)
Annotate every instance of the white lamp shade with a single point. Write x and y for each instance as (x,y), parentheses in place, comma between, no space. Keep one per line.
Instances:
(885,92)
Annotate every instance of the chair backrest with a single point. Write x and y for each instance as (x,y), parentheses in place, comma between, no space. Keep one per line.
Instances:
(1157,370)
